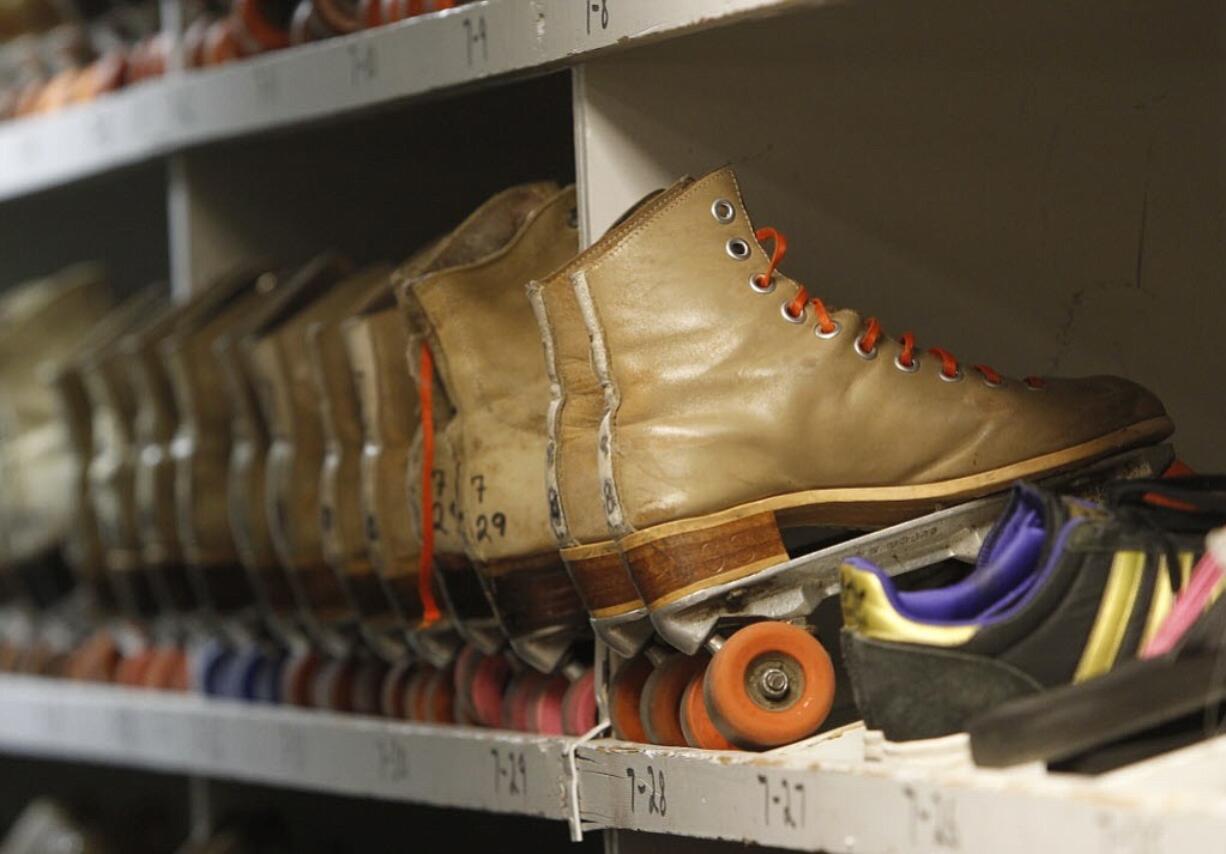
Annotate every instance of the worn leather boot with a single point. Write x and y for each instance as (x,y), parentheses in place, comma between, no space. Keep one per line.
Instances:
(277,348)
(112,472)
(736,402)
(203,439)
(340,490)
(576,507)
(486,349)
(41,323)
(245,477)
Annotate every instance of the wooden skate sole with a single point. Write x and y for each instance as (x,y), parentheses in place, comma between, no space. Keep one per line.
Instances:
(674,559)
(600,575)
(532,593)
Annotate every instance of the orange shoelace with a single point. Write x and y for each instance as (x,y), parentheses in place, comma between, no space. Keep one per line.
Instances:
(866,344)
(425,564)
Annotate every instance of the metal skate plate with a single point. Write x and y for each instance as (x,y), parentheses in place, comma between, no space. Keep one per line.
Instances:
(546,650)
(436,644)
(795,588)
(486,634)
(626,634)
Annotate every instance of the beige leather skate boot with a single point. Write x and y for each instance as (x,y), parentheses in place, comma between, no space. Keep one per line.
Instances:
(486,349)
(112,472)
(736,402)
(576,507)
(201,446)
(246,481)
(41,323)
(288,398)
(341,517)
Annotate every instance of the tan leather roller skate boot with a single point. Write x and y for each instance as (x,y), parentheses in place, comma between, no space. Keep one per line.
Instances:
(486,350)
(737,404)
(277,349)
(376,342)
(341,517)
(202,442)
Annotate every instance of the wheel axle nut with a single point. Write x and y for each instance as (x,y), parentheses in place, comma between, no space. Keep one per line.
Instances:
(774,683)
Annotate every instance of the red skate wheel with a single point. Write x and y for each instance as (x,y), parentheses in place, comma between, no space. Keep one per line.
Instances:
(699,730)
(770,684)
(298,678)
(440,698)
(332,687)
(132,668)
(625,699)
(579,704)
(488,682)
(516,699)
(465,666)
(545,708)
(391,692)
(367,684)
(415,693)
(660,706)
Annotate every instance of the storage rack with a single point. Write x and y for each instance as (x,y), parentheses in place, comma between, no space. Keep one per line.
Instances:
(1052,171)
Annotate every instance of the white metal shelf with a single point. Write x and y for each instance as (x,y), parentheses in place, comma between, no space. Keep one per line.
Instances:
(823,794)
(459,47)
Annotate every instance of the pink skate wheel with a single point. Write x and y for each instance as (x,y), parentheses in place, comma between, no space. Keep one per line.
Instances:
(391,692)
(579,704)
(465,667)
(520,692)
(545,710)
(489,681)
(167,670)
(298,677)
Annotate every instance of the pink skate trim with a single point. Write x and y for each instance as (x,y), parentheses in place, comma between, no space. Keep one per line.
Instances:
(1188,607)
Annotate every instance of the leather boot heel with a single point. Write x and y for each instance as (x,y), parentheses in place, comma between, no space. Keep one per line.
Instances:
(673,560)
(599,575)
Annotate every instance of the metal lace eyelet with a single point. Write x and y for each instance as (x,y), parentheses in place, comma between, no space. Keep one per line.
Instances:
(723,211)
(1031,387)
(956,378)
(754,284)
(826,336)
(991,383)
(788,316)
(738,249)
(905,368)
(867,355)
(572,218)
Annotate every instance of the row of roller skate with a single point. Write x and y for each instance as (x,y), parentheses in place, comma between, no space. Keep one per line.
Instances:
(505,445)
(55,54)
(223,32)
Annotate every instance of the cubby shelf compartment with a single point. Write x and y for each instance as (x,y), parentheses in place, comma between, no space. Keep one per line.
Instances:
(464,46)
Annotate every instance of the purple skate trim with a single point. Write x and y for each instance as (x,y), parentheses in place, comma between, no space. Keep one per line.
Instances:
(1005,575)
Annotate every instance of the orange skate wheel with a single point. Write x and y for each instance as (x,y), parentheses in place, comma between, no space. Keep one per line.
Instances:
(660,706)
(440,698)
(131,670)
(625,697)
(699,730)
(770,684)
(167,670)
(95,659)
